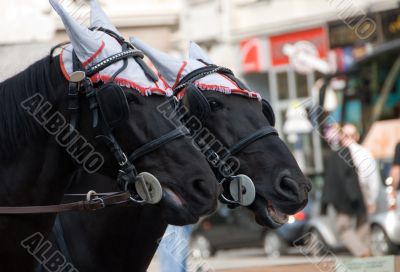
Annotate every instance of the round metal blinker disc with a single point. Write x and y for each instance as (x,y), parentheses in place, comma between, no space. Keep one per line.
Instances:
(149,188)
(77,76)
(242,190)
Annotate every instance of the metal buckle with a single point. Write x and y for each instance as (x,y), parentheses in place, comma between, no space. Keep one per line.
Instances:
(91,195)
(137,201)
(124,162)
(101,201)
(241,191)
(214,158)
(148,188)
(93,198)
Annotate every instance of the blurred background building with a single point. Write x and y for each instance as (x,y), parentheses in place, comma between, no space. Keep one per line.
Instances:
(30,28)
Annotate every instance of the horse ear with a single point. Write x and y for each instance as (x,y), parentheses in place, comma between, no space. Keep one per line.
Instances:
(168,66)
(197,53)
(98,18)
(268,112)
(84,41)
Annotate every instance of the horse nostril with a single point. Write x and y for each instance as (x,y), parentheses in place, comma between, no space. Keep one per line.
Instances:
(288,188)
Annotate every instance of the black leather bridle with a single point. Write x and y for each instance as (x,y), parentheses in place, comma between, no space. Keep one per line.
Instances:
(128,176)
(236,148)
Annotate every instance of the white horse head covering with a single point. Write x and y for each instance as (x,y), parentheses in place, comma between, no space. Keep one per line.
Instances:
(174,69)
(94,46)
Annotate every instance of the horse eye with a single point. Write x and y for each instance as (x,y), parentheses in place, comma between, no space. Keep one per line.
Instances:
(216,105)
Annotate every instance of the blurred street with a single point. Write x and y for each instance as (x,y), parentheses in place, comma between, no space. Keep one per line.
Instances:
(245,258)
(254,260)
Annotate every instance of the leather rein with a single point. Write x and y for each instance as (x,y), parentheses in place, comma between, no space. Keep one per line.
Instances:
(93,202)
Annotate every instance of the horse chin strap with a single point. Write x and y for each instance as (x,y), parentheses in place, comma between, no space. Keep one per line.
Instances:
(143,187)
(239,190)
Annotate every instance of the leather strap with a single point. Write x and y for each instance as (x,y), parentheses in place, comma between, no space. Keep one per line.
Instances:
(198,74)
(156,144)
(91,205)
(263,132)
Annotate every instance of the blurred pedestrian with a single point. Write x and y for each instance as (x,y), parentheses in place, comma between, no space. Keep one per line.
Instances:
(174,249)
(351,186)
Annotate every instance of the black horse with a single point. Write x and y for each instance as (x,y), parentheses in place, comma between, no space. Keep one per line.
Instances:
(233,114)
(281,187)
(35,168)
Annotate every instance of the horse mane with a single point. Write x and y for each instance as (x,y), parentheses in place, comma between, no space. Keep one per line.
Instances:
(17,128)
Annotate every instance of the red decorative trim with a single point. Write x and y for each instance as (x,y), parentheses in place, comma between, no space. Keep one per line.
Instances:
(95,55)
(178,76)
(224,90)
(130,84)
(62,66)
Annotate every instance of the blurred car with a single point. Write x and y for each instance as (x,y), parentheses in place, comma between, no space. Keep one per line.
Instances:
(235,229)
(226,229)
(385,229)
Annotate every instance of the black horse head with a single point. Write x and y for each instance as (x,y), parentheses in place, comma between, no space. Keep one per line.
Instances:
(132,115)
(231,113)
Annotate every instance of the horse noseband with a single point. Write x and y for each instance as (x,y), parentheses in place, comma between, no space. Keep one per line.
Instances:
(239,190)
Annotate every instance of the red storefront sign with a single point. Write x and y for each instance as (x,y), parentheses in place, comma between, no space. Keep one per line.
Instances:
(317,36)
(251,55)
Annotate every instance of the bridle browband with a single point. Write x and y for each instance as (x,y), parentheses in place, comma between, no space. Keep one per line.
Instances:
(236,148)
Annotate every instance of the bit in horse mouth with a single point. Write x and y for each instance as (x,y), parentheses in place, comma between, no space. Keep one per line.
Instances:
(174,197)
(276,215)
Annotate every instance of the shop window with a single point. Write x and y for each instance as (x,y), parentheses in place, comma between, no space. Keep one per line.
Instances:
(302,149)
(258,82)
(283,86)
(308,151)
(302,85)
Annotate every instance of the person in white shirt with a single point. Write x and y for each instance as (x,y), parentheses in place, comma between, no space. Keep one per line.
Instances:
(365,166)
